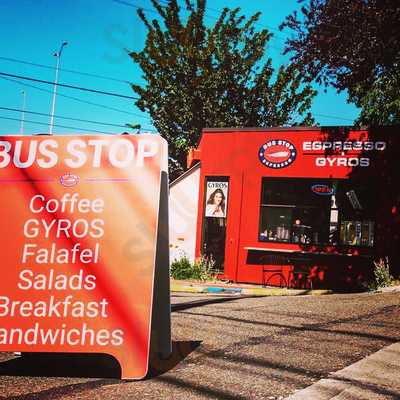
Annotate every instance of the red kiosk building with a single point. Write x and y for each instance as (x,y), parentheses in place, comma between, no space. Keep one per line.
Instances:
(310,207)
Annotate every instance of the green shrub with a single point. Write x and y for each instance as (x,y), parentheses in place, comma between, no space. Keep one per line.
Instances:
(201,270)
(382,277)
(181,269)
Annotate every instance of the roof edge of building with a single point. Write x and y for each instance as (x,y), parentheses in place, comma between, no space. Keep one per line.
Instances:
(184,174)
(283,129)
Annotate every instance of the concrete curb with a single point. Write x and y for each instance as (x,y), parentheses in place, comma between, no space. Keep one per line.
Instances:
(389,289)
(185,287)
(375,377)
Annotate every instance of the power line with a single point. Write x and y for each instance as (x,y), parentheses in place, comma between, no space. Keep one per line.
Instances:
(332,117)
(28,78)
(72,127)
(63,69)
(213,16)
(59,126)
(76,99)
(126,3)
(137,115)
(114,94)
(164,3)
(63,117)
(257,24)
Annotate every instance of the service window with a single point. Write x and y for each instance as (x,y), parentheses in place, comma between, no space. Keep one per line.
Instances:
(315,211)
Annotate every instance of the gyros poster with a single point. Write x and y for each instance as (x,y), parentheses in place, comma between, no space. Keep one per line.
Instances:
(216,199)
(78,240)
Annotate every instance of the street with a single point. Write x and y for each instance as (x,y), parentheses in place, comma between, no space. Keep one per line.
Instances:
(230,347)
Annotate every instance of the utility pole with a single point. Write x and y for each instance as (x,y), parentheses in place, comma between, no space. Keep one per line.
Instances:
(53,106)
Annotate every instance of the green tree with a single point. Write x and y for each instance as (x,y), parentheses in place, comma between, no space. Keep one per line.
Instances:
(353,45)
(198,76)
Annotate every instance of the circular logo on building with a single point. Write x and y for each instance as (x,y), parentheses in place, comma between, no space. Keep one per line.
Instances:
(69,180)
(277,154)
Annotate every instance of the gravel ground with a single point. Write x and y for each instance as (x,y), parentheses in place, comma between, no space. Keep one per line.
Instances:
(230,347)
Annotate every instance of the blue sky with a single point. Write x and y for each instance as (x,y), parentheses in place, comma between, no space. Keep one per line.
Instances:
(98,31)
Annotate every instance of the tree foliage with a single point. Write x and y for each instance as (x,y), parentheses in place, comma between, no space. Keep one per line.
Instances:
(380,105)
(353,45)
(198,76)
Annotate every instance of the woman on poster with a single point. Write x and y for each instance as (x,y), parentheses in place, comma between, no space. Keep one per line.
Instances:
(216,204)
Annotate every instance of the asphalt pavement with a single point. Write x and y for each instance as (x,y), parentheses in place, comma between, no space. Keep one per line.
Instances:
(231,347)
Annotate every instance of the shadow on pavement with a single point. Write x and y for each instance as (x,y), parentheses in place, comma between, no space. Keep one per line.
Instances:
(84,366)
(202,389)
(180,350)
(62,391)
(62,365)
(303,328)
(370,387)
(88,365)
(204,302)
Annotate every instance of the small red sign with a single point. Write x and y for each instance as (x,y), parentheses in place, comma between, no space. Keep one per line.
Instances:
(322,189)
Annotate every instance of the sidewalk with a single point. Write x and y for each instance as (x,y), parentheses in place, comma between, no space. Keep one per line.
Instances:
(239,289)
(374,377)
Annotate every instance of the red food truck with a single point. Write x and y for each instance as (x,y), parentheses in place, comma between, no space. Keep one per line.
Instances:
(296,207)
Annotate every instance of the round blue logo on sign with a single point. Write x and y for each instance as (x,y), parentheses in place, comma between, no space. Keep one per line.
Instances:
(278,153)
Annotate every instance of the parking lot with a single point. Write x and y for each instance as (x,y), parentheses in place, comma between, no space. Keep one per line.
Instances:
(228,347)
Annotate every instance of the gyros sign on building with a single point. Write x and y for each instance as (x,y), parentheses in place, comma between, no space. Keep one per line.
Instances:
(280,153)
(78,243)
(345,153)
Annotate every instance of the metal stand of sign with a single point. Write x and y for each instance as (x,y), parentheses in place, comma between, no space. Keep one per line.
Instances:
(160,345)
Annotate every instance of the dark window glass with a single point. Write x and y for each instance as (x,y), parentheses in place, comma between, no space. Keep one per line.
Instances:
(316,211)
(277,222)
(356,206)
(214,219)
